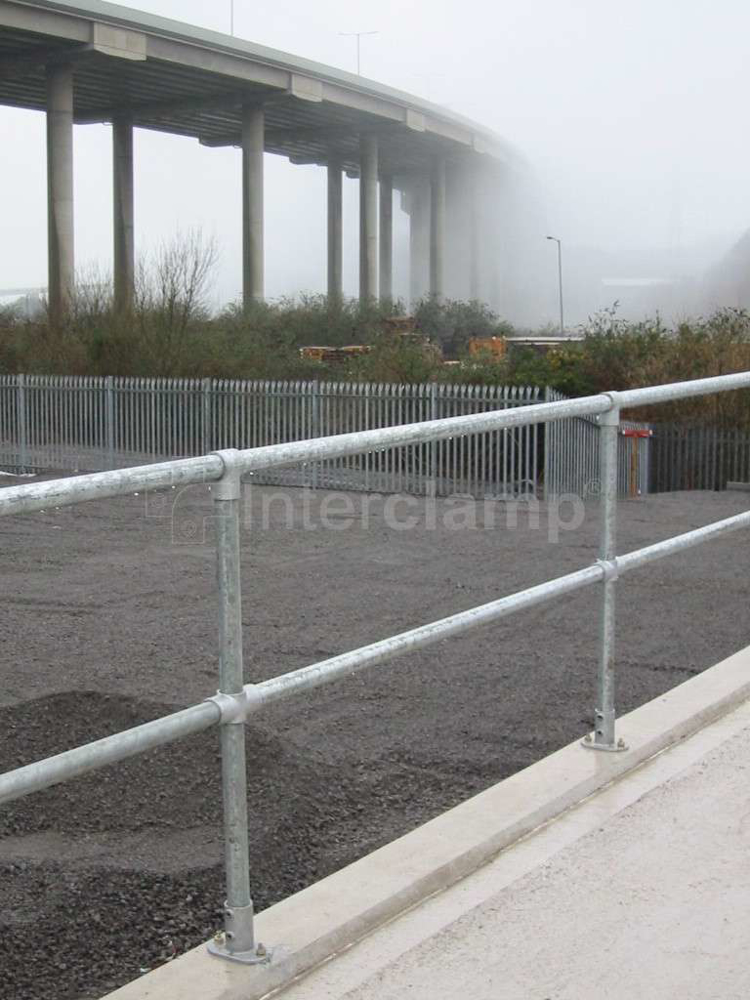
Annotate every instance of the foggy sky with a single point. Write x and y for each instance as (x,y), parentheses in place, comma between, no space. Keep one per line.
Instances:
(632,116)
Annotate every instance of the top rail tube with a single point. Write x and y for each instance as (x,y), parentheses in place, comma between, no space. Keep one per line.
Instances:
(210,468)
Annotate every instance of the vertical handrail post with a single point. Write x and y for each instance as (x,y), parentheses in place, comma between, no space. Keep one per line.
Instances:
(238,940)
(23,445)
(604,729)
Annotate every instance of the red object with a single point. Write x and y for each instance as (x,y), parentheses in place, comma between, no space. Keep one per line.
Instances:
(636,434)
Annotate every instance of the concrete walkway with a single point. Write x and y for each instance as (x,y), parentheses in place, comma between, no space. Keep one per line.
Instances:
(586,875)
(642,891)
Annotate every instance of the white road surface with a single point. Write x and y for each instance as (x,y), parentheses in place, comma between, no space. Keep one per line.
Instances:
(640,893)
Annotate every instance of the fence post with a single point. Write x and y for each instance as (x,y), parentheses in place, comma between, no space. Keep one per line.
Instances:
(604,731)
(23,444)
(368,455)
(315,426)
(110,423)
(206,415)
(238,939)
(548,437)
(432,483)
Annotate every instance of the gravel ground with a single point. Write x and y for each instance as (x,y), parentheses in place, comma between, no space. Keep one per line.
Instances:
(108,621)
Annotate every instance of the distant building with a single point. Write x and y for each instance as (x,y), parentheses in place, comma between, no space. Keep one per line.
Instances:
(28,303)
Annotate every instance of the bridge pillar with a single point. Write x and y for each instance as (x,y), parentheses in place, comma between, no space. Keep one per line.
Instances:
(386,237)
(437,229)
(368,218)
(335,232)
(475,238)
(253,140)
(60,216)
(418,201)
(124,226)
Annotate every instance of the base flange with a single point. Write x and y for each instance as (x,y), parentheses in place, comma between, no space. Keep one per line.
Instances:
(260,955)
(589,743)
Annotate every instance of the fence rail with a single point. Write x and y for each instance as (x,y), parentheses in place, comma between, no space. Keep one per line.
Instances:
(236,700)
(54,422)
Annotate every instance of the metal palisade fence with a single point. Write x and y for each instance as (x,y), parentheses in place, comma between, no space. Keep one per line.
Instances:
(93,424)
(689,457)
(572,459)
(237,700)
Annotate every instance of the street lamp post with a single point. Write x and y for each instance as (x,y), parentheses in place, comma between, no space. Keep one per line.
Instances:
(231,17)
(559,273)
(358,35)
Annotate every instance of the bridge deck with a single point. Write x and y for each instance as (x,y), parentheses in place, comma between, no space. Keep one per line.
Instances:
(642,891)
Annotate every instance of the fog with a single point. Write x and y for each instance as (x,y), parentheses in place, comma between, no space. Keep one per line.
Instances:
(629,116)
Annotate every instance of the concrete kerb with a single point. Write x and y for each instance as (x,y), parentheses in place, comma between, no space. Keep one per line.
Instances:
(313,925)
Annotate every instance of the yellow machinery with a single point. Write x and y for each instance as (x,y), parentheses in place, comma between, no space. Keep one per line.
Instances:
(333,355)
(497,347)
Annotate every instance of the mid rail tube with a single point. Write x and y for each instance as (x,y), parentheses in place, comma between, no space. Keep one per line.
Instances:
(326,671)
(679,543)
(318,674)
(73,763)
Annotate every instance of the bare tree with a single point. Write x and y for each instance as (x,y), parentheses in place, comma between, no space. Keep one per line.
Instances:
(171,295)
(92,301)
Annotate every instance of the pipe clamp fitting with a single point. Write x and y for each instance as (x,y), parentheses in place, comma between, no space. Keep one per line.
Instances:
(609,568)
(229,486)
(611,417)
(233,708)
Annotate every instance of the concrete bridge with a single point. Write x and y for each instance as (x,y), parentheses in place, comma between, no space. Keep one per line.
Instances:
(94,62)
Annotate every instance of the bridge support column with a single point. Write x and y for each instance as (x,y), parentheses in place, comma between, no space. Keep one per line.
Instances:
(335,233)
(368,218)
(124,226)
(386,238)
(419,239)
(437,229)
(60,215)
(253,140)
(475,238)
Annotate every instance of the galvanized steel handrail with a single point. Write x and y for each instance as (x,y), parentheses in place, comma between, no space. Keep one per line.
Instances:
(208,468)
(130,742)
(108,750)
(236,700)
